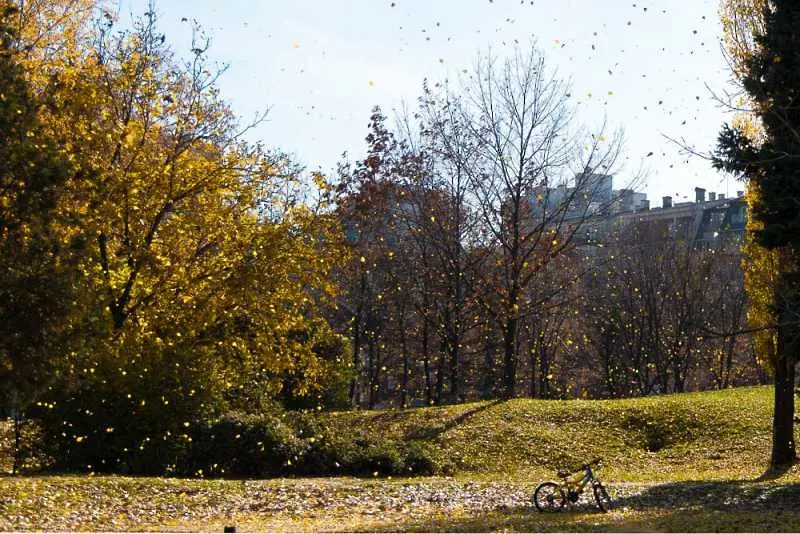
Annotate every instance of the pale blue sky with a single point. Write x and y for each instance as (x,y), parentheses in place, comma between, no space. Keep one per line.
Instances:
(320,66)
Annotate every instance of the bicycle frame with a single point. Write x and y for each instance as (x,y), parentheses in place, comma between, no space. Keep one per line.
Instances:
(575,489)
(552,496)
(588,476)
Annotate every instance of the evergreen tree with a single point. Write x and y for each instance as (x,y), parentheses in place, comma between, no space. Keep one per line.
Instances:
(771,78)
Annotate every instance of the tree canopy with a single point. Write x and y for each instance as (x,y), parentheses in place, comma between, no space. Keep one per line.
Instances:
(770,162)
(197,278)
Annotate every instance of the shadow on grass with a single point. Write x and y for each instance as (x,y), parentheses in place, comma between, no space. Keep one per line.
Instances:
(727,506)
(432,432)
(723,496)
(775,472)
(656,521)
(582,517)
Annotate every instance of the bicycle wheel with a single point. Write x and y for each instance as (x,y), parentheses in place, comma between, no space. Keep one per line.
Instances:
(604,501)
(549,497)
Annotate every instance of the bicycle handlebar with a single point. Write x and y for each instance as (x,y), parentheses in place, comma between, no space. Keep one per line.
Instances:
(596,461)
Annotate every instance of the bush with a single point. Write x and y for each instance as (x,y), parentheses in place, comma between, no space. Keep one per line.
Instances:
(376,458)
(156,418)
(29,458)
(330,387)
(331,455)
(241,445)
(422,460)
(132,419)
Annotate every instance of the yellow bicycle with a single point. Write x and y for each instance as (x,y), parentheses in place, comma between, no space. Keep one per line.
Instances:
(553,496)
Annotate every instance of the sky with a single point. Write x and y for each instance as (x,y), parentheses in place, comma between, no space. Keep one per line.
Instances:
(651,68)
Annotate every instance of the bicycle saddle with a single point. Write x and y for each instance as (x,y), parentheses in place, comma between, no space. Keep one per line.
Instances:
(564,474)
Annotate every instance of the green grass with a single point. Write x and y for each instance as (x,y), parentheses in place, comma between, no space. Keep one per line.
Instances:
(705,436)
(674,463)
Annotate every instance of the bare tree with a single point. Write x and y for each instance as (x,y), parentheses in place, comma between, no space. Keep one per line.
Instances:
(726,317)
(446,221)
(533,177)
(665,314)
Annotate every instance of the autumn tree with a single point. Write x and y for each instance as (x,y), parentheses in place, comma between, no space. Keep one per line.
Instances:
(741,21)
(407,220)
(370,200)
(447,226)
(769,163)
(200,278)
(725,316)
(36,271)
(660,307)
(534,178)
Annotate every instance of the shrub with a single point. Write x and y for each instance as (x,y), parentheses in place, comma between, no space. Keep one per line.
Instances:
(422,460)
(330,455)
(241,445)
(132,418)
(371,457)
(157,418)
(331,384)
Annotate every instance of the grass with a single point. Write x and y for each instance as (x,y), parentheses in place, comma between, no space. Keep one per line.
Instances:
(704,436)
(674,463)
(343,504)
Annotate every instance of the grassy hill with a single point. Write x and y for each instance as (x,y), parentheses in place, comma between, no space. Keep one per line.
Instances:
(695,436)
(673,463)
(709,435)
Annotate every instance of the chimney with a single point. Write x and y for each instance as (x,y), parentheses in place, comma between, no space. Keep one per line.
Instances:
(667,202)
(712,196)
(699,194)
(739,194)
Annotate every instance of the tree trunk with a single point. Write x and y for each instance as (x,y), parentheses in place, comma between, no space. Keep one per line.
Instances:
(488,378)
(450,343)
(406,366)
(441,362)
(355,394)
(18,422)
(783,448)
(679,376)
(372,373)
(533,363)
(730,346)
(455,339)
(510,358)
(426,361)
(544,373)
(455,369)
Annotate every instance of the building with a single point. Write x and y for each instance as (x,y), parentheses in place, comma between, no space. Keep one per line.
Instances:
(603,213)
(590,194)
(708,222)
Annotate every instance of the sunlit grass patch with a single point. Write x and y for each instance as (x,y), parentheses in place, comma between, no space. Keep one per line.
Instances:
(672,437)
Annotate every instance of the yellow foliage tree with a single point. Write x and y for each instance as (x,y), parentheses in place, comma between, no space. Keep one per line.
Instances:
(203,278)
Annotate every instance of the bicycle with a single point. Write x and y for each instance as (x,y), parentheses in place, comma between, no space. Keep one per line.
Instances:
(552,496)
